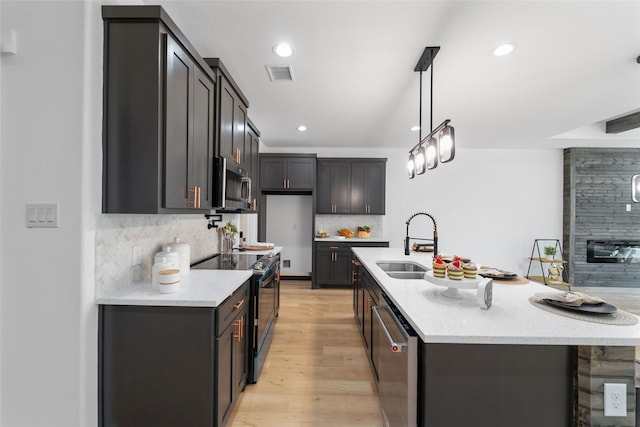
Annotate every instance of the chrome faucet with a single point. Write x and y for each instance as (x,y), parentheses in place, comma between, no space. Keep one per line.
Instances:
(435,234)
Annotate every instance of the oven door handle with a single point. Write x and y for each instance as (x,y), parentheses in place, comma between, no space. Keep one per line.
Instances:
(396,347)
(268,277)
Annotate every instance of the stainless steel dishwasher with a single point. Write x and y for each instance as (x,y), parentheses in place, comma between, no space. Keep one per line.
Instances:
(397,365)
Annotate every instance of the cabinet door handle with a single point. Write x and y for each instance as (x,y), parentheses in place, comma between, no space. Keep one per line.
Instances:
(284,183)
(238,334)
(193,203)
(238,304)
(254,205)
(199,194)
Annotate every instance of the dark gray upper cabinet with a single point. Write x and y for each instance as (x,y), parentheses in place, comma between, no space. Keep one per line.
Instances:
(351,186)
(334,187)
(232,117)
(252,144)
(287,173)
(368,187)
(159,112)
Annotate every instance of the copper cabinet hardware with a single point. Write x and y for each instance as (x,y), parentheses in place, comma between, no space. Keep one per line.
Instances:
(238,334)
(238,304)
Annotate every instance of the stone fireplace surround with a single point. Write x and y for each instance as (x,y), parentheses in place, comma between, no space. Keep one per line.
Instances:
(597,190)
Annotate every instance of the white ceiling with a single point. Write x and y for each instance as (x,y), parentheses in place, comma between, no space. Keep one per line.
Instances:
(575,67)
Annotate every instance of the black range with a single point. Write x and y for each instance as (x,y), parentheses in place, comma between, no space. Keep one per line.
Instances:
(265,298)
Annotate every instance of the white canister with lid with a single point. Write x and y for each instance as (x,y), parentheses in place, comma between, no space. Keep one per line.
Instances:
(184,251)
(163,260)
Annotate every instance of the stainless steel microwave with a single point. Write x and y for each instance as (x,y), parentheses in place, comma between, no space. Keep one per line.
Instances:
(231,186)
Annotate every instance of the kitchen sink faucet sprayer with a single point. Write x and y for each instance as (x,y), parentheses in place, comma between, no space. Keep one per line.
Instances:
(435,233)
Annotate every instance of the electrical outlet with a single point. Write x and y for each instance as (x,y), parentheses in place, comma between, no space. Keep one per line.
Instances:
(615,400)
(136,255)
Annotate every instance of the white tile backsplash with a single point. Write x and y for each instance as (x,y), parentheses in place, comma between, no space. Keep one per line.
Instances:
(333,223)
(116,235)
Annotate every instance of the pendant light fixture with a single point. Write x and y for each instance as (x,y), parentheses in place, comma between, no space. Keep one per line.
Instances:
(439,145)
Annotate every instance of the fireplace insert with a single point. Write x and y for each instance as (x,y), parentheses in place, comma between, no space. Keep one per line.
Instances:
(613,251)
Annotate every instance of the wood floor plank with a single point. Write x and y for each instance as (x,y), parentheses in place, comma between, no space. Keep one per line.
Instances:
(317,372)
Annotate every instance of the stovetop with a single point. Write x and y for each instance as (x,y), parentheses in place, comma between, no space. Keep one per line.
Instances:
(234,261)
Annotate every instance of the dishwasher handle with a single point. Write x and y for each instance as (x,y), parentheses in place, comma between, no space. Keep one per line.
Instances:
(396,347)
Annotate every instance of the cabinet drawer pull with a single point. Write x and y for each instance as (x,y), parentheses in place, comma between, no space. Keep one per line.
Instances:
(238,304)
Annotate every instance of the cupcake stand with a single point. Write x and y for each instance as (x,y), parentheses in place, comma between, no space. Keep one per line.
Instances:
(484,287)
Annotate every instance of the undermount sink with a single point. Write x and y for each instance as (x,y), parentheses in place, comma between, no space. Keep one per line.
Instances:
(406,274)
(402,269)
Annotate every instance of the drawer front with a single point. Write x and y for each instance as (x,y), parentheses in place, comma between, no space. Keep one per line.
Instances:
(227,311)
(333,247)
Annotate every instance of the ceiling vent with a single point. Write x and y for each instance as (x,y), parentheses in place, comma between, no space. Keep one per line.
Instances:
(280,73)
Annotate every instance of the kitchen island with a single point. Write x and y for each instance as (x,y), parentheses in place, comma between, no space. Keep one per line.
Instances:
(513,364)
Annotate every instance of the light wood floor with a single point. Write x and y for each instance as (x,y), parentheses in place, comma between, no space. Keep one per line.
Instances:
(317,372)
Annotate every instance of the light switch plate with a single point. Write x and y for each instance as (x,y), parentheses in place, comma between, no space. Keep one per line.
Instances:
(42,215)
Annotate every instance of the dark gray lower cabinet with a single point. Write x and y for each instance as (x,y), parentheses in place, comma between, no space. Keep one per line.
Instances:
(496,385)
(332,264)
(171,366)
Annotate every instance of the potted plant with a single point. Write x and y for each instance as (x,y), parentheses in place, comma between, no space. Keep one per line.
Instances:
(550,252)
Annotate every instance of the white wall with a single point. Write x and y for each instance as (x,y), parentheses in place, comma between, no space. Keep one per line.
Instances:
(50,152)
(490,205)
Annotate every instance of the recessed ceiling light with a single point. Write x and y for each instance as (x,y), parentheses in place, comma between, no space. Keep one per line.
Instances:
(283,49)
(302,128)
(415,128)
(504,49)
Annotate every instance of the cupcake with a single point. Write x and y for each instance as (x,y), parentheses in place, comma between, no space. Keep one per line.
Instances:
(470,270)
(454,270)
(439,267)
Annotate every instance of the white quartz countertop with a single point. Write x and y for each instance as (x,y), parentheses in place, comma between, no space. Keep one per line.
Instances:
(351,240)
(512,319)
(201,288)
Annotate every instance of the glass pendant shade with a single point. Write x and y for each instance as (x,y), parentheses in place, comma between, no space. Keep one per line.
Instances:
(432,153)
(420,160)
(411,166)
(447,145)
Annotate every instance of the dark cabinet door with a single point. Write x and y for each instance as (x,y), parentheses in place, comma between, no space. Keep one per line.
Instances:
(273,172)
(240,144)
(300,173)
(203,136)
(252,143)
(179,77)
(368,187)
(324,267)
(224,371)
(333,187)
(342,268)
(227,103)
(233,120)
